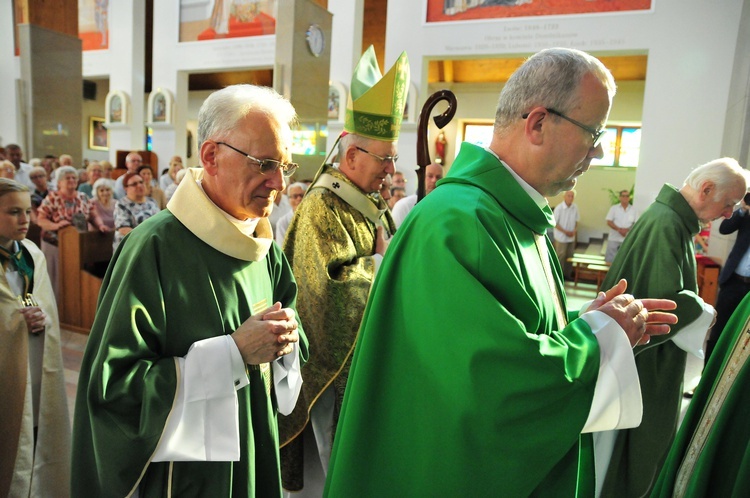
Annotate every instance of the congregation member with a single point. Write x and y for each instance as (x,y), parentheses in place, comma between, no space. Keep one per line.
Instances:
(168,178)
(709,455)
(472,379)
(58,211)
(133,209)
(184,371)
(337,238)
(34,422)
(173,188)
(620,219)
(397,193)
(152,190)
(14,154)
(433,174)
(296,191)
(398,180)
(657,259)
(133,161)
(38,176)
(104,202)
(7,170)
(93,173)
(734,279)
(564,236)
(106,169)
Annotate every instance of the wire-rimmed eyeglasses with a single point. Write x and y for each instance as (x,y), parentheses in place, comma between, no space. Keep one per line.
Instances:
(267,165)
(596,135)
(382,159)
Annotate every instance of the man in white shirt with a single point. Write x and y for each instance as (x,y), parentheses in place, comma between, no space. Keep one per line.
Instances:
(433,173)
(620,219)
(14,154)
(566,225)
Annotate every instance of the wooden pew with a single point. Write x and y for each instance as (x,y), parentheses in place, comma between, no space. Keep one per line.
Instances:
(82,261)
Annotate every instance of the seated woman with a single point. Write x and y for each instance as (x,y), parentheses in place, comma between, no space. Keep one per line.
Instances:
(295,191)
(58,210)
(152,190)
(169,178)
(94,172)
(133,209)
(104,202)
(35,441)
(173,188)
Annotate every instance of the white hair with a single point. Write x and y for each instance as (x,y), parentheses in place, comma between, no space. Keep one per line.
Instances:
(724,172)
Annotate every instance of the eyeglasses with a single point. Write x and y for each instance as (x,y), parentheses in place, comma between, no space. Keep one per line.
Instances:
(134,184)
(596,135)
(267,165)
(382,159)
(36,177)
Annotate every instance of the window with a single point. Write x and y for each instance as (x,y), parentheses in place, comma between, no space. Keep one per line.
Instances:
(622,147)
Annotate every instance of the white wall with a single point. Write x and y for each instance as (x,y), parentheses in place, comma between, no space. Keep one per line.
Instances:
(691,47)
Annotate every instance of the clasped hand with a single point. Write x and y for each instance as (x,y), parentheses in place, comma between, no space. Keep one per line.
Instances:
(639,318)
(267,335)
(35,318)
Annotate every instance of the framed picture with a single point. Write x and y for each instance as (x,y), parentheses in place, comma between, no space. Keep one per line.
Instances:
(116,106)
(98,136)
(474,10)
(336,101)
(160,107)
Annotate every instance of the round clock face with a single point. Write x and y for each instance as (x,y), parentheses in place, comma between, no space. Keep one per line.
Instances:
(316,40)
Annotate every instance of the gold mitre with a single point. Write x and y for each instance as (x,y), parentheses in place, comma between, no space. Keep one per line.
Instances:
(375,106)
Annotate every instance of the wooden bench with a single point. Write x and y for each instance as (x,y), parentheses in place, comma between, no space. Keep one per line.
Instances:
(589,267)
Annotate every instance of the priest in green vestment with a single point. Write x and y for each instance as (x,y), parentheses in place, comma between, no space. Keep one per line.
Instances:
(657,259)
(710,455)
(195,345)
(334,243)
(469,377)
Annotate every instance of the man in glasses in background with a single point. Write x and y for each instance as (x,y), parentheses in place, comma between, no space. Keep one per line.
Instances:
(196,344)
(335,242)
(470,377)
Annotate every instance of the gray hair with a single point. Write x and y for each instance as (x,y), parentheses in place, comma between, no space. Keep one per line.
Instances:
(34,162)
(8,186)
(103,182)
(222,109)
(301,185)
(37,169)
(64,170)
(724,172)
(548,78)
(352,139)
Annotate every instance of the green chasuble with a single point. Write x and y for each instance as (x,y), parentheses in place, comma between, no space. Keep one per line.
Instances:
(463,382)
(710,456)
(657,258)
(330,245)
(184,275)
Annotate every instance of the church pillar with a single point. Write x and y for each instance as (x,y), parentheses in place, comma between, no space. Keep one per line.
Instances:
(50,92)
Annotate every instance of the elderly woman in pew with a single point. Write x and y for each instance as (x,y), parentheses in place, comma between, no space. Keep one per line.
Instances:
(59,209)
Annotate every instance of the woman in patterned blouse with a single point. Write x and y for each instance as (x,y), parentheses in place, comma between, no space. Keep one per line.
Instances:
(133,209)
(59,209)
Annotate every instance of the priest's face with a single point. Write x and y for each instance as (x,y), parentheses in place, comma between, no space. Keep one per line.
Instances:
(570,149)
(15,214)
(233,181)
(433,173)
(371,164)
(719,203)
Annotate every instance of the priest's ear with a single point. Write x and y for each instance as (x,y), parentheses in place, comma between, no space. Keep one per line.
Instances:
(208,151)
